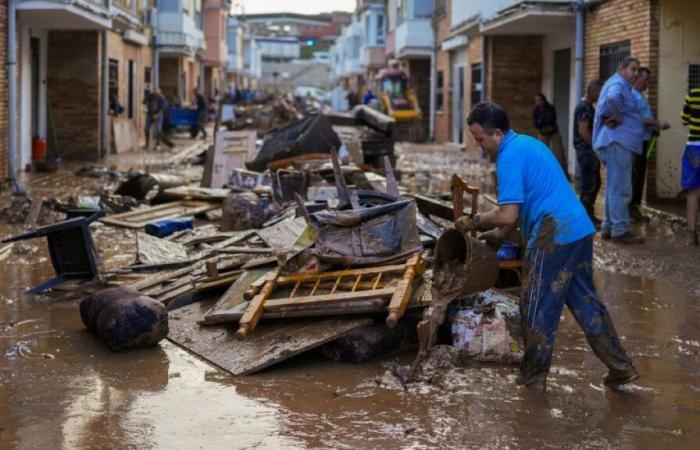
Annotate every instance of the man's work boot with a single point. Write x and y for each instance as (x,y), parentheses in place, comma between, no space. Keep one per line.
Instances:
(605,235)
(636,215)
(619,377)
(691,239)
(627,238)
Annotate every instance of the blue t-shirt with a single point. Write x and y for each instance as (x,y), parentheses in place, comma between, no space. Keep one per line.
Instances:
(529,175)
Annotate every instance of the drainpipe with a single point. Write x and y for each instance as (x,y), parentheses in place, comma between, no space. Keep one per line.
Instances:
(12,95)
(155,81)
(580,30)
(104,109)
(433,78)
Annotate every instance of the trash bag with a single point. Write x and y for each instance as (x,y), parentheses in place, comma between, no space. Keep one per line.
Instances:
(125,318)
(485,331)
(373,235)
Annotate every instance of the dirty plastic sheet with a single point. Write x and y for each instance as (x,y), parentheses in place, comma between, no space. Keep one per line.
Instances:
(367,236)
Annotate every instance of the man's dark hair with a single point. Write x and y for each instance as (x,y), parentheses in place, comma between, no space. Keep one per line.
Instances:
(644,70)
(592,86)
(628,62)
(490,116)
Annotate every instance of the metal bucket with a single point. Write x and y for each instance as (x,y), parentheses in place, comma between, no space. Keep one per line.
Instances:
(472,264)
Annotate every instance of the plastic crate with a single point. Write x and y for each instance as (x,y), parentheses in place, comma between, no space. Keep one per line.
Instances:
(183,117)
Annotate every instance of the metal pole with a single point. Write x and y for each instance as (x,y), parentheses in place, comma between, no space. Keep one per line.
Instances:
(12,95)
(433,77)
(104,107)
(580,30)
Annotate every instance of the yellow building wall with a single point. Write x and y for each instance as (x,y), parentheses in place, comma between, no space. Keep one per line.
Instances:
(679,46)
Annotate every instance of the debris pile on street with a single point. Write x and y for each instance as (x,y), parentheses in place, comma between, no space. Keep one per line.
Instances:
(303,240)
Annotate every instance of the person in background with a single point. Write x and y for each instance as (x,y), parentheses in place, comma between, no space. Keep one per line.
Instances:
(156,106)
(617,137)
(588,162)
(369,96)
(534,193)
(690,173)
(544,118)
(651,127)
(202,112)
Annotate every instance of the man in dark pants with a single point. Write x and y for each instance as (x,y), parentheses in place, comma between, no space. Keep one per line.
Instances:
(533,190)
(201,115)
(651,126)
(588,162)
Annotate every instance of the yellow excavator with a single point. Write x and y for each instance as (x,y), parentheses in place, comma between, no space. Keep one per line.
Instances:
(398,100)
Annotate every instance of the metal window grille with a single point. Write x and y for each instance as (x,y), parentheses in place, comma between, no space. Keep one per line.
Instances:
(693,76)
(611,55)
(477,87)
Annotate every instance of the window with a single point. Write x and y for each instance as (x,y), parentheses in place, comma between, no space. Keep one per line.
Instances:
(130,89)
(169,5)
(380,29)
(693,76)
(440,91)
(113,78)
(477,86)
(146,82)
(611,55)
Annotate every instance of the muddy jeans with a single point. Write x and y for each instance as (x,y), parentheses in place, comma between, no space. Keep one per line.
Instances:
(558,276)
(639,173)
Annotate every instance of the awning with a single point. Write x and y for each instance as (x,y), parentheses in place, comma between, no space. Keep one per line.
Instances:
(532,19)
(461,40)
(63,16)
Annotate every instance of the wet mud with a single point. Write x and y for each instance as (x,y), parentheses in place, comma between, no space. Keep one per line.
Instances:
(61,387)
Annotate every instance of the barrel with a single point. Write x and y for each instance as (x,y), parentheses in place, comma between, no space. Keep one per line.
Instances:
(38,149)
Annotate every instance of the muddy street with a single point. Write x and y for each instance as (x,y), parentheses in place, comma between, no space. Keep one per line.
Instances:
(62,387)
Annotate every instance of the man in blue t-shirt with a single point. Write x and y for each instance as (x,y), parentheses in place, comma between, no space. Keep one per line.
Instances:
(534,192)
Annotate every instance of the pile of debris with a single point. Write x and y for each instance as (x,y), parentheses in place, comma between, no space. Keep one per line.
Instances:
(304,240)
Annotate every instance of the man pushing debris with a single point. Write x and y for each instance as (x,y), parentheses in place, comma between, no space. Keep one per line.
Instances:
(534,192)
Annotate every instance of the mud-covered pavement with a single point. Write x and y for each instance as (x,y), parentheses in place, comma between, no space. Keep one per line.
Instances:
(63,388)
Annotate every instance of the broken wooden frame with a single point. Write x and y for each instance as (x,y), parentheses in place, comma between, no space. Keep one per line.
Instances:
(139,218)
(374,286)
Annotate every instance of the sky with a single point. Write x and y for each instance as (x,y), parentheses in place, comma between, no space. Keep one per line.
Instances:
(296,6)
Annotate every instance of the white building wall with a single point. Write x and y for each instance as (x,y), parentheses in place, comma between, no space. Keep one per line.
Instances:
(551,43)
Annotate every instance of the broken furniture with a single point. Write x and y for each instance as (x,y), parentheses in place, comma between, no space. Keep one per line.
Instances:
(316,291)
(139,218)
(232,150)
(313,135)
(72,250)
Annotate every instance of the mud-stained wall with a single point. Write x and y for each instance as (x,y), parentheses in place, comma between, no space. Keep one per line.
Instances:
(679,46)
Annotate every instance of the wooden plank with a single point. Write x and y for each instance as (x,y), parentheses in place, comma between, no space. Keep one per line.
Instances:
(270,344)
(371,306)
(139,218)
(158,279)
(254,311)
(233,297)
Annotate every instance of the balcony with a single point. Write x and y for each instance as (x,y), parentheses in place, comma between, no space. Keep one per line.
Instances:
(215,35)
(414,38)
(178,35)
(65,14)
(373,57)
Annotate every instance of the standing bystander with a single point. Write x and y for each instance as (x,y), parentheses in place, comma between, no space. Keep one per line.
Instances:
(651,127)
(690,175)
(588,162)
(617,137)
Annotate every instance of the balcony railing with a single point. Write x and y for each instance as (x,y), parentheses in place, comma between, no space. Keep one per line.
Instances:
(99,3)
(414,37)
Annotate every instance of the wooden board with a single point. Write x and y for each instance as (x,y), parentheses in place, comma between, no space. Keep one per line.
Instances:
(125,135)
(197,193)
(139,218)
(272,342)
(226,308)
(232,150)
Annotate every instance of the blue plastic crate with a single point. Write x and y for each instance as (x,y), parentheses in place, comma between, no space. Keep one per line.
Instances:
(183,117)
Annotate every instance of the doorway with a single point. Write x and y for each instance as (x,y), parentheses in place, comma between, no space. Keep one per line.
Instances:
(35,46)
(562,92)
(130,89)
